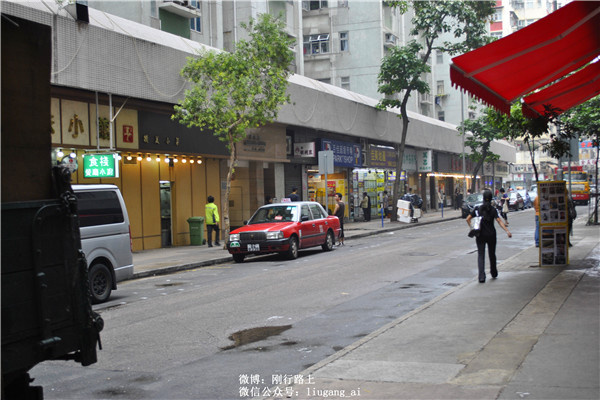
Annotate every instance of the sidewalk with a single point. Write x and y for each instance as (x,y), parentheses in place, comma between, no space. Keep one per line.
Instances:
(168,260)
(533,333)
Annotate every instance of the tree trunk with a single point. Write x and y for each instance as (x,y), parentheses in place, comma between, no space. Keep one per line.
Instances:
(232,163)
(400,159)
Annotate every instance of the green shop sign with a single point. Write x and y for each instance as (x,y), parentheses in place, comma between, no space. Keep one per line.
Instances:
(104,165)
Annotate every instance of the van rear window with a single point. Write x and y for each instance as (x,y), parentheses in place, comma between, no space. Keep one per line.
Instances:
(98,208)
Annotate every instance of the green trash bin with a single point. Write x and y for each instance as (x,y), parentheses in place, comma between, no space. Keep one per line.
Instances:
(196,230)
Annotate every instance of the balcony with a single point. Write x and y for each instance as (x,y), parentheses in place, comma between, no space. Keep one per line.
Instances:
(181,8)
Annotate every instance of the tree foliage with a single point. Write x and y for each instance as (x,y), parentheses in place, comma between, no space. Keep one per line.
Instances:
(233,92)
(402,68)
(483,133)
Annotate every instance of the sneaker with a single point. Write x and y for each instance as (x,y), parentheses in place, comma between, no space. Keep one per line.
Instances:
(217,243)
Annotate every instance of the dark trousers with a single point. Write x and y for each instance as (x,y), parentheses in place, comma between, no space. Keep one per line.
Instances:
(209,231)
(367,212)
(491,244)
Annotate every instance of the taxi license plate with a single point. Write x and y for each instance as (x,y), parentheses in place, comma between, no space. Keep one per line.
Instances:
(254,247)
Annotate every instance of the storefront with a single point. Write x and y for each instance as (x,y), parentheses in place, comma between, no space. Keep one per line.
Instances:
(165,170)
(346,156)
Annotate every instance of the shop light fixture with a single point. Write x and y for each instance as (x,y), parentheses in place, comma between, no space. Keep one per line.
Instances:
(199,160)
(148,158)
(119,157)
(139,157)
(129,158)
(60,153)
(175,159)
(73,154)
(157,158)
(184,160)
(167,160)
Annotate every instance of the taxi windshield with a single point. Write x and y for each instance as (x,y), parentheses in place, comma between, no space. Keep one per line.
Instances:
(279,213)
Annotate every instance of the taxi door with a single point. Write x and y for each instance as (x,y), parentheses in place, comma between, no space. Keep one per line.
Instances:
(309,227)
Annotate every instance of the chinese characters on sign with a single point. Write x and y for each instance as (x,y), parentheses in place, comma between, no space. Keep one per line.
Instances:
(304,149)
(100,166)
(344,154)
(424,161)
(127,134)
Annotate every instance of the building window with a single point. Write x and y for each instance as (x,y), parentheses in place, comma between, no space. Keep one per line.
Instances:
(342,3)
(314,4)
(325,80)
(345,82)
(441,116)
(440,88)
(497,16)
(439,57)
(344,41)
(195,23)
(316,44)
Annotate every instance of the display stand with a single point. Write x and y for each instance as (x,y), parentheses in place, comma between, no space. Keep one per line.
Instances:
(554,227)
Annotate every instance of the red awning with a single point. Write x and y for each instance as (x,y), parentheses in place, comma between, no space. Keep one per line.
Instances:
(537,55)
(566,93)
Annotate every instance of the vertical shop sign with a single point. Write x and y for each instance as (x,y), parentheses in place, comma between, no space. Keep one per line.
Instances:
(127,134)
(424,161)
(345,154)
(553,223)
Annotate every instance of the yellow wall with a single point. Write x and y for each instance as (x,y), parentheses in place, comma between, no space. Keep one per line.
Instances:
(139,184)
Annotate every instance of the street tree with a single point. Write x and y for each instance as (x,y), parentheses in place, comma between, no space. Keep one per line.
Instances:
(403,67)
(233,92)
(585,122)
(483,133)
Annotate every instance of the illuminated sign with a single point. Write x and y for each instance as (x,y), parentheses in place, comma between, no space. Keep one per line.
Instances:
(104,165)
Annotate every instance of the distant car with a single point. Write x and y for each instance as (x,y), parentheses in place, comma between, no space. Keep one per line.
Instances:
(532,196)
(284,228)
(527,200)
(472,201)
(515,201)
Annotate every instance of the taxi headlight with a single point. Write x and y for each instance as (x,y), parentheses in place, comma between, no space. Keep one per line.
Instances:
(234,237)
(275,235)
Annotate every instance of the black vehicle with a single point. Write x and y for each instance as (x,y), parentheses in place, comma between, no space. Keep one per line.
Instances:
(472,201)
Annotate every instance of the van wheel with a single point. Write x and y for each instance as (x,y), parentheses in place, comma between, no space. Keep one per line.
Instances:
(100,283)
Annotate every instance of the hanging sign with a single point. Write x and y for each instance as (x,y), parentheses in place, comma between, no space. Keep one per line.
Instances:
(105,165)
(424,161)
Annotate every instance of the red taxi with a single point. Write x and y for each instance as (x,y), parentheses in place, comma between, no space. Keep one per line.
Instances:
(284,228)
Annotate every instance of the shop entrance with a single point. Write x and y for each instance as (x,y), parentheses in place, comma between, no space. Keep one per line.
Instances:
(165,213)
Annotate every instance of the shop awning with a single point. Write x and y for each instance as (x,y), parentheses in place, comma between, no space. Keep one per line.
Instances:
(533,57)
(566,93)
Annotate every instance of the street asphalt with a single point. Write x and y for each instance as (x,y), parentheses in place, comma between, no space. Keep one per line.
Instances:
(533,333)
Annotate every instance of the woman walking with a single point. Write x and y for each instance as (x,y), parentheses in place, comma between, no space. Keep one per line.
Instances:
(487,235)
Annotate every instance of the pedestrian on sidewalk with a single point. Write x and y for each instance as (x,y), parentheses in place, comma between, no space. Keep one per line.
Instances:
(338,211)
(572,215)
(365,204)
(536,207)
(386,204)
(504,205)
(487,234)
(212,221)
(294,195)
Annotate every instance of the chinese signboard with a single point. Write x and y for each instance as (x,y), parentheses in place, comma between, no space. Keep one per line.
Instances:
(304,149)
(104,165)
(382,157)
(345,154)
(424,161)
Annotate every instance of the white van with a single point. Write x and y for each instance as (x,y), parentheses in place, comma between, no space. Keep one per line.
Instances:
(105,237)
